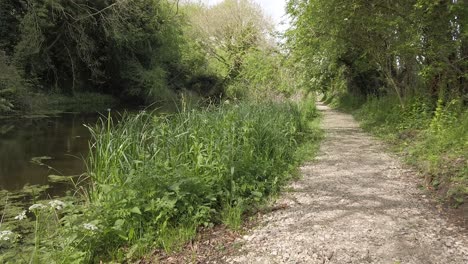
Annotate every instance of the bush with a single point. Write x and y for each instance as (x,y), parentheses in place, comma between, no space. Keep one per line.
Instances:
(151,175)
(154,179)
(11,84)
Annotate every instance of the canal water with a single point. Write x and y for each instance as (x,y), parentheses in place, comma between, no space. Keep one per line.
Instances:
(31,149)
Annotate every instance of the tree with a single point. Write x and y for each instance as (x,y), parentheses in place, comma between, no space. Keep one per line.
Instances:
(229,31)
(402,48)
(132,49)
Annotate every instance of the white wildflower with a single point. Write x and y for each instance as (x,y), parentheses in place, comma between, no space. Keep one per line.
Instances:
(5,235)
(90,226)
(21,216)
(37,206)
(59,205)
(346,19)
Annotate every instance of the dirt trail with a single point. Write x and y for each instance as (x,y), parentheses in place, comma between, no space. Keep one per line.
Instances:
(354,204)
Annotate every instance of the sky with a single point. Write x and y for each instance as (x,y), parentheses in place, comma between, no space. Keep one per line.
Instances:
(273,8)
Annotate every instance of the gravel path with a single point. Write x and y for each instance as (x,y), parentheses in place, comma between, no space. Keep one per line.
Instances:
(354,204)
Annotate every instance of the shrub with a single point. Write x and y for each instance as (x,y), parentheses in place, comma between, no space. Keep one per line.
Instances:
(11,84)
(154,179)
(153,175)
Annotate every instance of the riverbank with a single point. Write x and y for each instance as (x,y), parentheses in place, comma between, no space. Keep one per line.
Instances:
(155,180)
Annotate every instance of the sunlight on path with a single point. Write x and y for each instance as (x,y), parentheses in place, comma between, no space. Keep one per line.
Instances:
(354,204)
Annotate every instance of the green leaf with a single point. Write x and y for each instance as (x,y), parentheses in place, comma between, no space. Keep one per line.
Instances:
(257,194)
(119,223)
(135,210)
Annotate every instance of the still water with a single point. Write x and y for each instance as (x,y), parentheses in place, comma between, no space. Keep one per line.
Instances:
(31,149)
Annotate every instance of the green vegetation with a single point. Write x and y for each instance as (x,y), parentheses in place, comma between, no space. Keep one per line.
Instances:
(155,179)
(190,168)
(403,65)
(249,62)
(137,51)
(244,123)
(140,53)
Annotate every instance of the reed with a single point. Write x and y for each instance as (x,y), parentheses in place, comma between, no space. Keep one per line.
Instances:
(153,174)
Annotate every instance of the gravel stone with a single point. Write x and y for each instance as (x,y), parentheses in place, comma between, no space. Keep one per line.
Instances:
(354,204)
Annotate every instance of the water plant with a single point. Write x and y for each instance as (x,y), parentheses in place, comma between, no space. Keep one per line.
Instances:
(152,174)
(154,179)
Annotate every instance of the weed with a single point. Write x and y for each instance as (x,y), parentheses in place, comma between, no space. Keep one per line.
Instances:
(231,215)
(154,179)
(152,172)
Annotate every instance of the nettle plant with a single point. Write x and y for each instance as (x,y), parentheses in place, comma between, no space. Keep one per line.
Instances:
(59,234)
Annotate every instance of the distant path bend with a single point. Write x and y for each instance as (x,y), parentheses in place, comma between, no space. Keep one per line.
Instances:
(354,204)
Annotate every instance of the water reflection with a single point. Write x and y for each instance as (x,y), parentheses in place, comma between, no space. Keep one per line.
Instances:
(64,139)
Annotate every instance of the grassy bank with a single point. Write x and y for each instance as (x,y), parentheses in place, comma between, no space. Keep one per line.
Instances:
(154,180)
(432,137)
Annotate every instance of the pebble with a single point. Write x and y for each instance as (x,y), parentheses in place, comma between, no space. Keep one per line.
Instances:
(389,218)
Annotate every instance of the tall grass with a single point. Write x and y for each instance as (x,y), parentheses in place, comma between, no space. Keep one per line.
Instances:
(153,176)
(154,180)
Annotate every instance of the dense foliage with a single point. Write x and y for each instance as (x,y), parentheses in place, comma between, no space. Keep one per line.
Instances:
(229,31)
(240,47)
(401,48)
(134,50)
(193,168)
(141,52)
(404,65)
(155,179)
